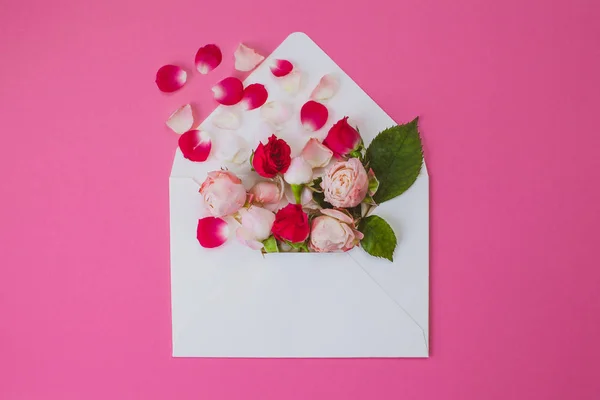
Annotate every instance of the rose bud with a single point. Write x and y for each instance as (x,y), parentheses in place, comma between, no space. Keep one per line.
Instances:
(266,193)
(223,193)
(291,224)
(256,226)
(333,231)
(342,139)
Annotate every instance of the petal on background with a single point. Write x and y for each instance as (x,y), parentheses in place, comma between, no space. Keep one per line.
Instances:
(281,68)
(212,232)
(326,89)
(226,119)
(255,95)
(291,82)
(208,58)
(275,112)
(170,78)
(195,145)
(313,115)
(229,91)
(246,59)
(316,153)
(181,120)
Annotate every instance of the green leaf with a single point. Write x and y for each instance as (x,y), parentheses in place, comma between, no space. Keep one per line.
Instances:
(270,245)
(379,240)
(319,198)
(396,156)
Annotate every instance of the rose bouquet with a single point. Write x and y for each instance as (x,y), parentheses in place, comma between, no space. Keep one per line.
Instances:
(320,200)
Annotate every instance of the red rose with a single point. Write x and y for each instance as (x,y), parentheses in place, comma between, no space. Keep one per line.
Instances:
(272,158)
(342,138)
(291,224)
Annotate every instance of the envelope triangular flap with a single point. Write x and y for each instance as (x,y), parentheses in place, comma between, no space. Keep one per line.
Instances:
(233,302)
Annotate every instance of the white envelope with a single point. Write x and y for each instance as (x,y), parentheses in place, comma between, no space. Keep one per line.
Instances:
(234,302)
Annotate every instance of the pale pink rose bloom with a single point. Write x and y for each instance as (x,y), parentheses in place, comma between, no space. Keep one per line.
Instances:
(316,153)
(333,232)
(256,226)
(223,193)
(266,193)
(345,183)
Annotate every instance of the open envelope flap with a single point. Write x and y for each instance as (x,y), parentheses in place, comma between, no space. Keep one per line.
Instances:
(211,289)
(236,303)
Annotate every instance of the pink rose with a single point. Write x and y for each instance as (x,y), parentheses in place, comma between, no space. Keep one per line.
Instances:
(223,193)
(345,183)
(332,232)
(256,226)
(266,193)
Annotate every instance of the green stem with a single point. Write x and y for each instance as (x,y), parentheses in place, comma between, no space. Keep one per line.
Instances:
(297,190)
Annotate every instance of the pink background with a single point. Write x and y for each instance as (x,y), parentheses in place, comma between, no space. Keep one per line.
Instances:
(508,92)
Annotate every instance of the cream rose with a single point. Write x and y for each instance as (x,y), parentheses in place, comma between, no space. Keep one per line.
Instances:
(345,183)
(223,193)
(333,232)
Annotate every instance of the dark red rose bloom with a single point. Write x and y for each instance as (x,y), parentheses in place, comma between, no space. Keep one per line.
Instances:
(342,138)
(291,224)
(272,158)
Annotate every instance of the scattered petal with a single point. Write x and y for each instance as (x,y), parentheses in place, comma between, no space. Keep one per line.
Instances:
(170,78)
(255,95)
(212,232)
(247,239)
(291,82)
(246,59)
(195,145)
(208,58)
(316,153)
(229,147)
(226,119)
(229,91)
(327,87)
(275,112)
(181,120)
(281,68)
(313,115)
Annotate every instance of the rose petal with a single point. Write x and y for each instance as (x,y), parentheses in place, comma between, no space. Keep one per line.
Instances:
(291,82)
(229,147)
(275,112)
(313,115)
(327,87)
(212,232)
(316,154)
(245,237)
(255,95)
(181,120)
(226,119)
(281,68)
(229,91)
(246,59)
(195,145)
(170,78)
(208,58)
(337,214)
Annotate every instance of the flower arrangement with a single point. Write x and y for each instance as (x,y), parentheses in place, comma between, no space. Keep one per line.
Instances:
(321,200)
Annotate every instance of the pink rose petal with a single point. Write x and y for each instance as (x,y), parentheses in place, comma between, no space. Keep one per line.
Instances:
(181,120)
(291,82)
(195,145)
(229,91)
(212,232)
(246,59)
(275,112)
(313,115)
(255,95)
(327,87)
(226,119)
(281,68)
(316,154)
(170,78)
(247,239)
(208,58)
